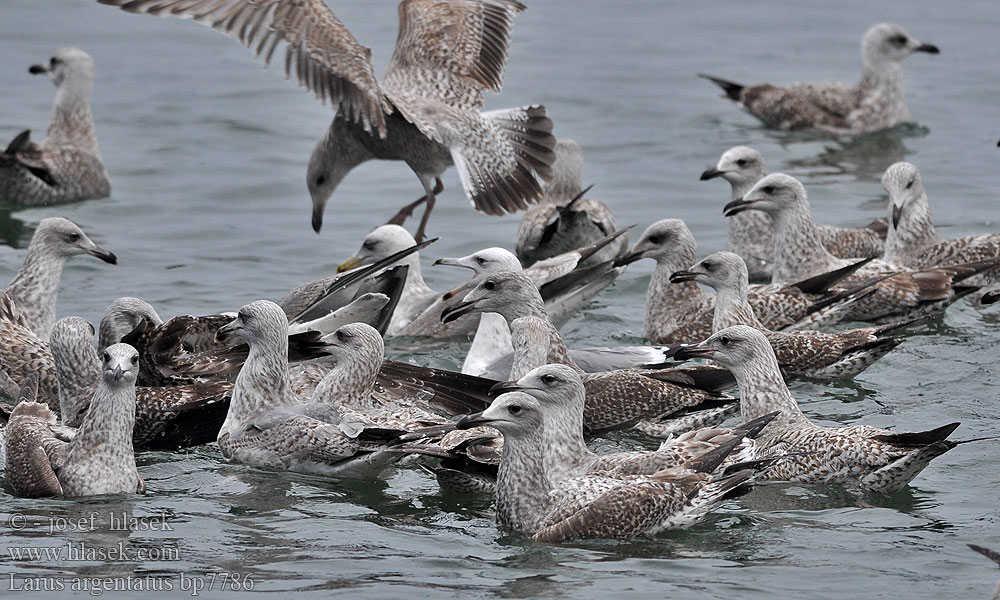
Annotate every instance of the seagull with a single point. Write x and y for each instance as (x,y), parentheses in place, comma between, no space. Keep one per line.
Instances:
(36,286)
(529,502)
(750,233)
(802,353)
(426,108)
(99,459)
(798,254)
(912,239)
(867,457)
(66,166)
(876,102)
(565,219)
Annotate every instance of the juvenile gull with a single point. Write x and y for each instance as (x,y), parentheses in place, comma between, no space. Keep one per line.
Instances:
(859,455)
(615,399)
(750,233)
(561,396)
(802,353)
(267,426)
(35,287)
(66,166)
(912,239)
(99,459)
(122,316)
(877,101)
(23,354)
(681,312)
(799,254)
(565,219)
(529,502)
(425,110)
(995,557)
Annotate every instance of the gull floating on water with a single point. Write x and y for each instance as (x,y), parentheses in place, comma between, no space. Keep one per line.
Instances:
(799,253)
(750,233)
(529,502)
(66,166)
(877,101)
(426,108)
(802,353)
(36,286)
(565,219)
(99,459)
(859,455)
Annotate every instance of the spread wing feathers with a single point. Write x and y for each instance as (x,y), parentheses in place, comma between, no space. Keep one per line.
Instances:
(180,416)
(499,154)
(326,59)
(449,391)
(450,52)
(227,360)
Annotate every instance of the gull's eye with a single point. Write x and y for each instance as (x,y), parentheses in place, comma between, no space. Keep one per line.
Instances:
(709,265)
(481,260)
(767,189)
(368,245)
(342,336)
(742,162)
(898,40)
(515,409)
(725,341)
(72,237)
(548,379)
(655,239)
(107,357)
(490,284)
(135,359)
(909,185)
(321,180)
(54,61)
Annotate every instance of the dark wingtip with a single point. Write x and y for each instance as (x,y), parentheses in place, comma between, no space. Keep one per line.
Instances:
(731,88)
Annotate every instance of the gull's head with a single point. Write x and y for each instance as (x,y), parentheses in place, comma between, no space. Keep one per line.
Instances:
(124,315)
(903,183)
(67,64)
(482,263)
(721,270)
(260,321)
(740,166)
(504,293)
(662,241)
(553,384)
(333,158)
(732,347)
(120,365)
(888,42)
(378,244)
(64,238)
(774,194)
(514,414)
(354,342)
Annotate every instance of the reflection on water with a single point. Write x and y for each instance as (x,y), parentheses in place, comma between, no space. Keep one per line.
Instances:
(862,157)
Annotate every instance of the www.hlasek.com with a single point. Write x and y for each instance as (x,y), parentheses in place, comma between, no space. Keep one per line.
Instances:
(96,586)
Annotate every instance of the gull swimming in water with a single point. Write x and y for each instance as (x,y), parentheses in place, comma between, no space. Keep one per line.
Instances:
(799,254)
(877,101)
(859,455)
(750,233)
(565,219)
(426,108)
(912,240)
(99,459)
(36,286)
(529,502)
(66,166)
(682,313)
(802,353)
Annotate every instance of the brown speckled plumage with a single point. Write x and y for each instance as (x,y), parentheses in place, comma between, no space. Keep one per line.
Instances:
(66,166)
(876,102)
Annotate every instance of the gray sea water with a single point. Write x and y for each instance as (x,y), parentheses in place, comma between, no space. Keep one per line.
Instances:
(207,153)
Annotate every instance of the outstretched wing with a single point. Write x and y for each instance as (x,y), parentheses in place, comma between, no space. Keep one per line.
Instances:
(325,57)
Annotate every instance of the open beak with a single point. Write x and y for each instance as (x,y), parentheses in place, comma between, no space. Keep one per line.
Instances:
(226,332)
(736,206)
(897,213)
(693,351)
(454,312)
(710,174)
(351,263)
(682,276)
(454,262)
(928,48)
(101,253)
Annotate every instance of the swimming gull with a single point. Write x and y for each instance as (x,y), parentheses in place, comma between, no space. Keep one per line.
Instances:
(859,455)
(426,108)
(995,557)
(912,240)
(877,101)
(23,354)
(35,287)
(798,254)
(802,353)
(615,399)
(66,166)
(750,233)
(99,459)
(681,312)
(529,502)
(121,317)
(565,219)
(267,426)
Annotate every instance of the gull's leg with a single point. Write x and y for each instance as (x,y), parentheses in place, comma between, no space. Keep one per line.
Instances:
(430,198)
